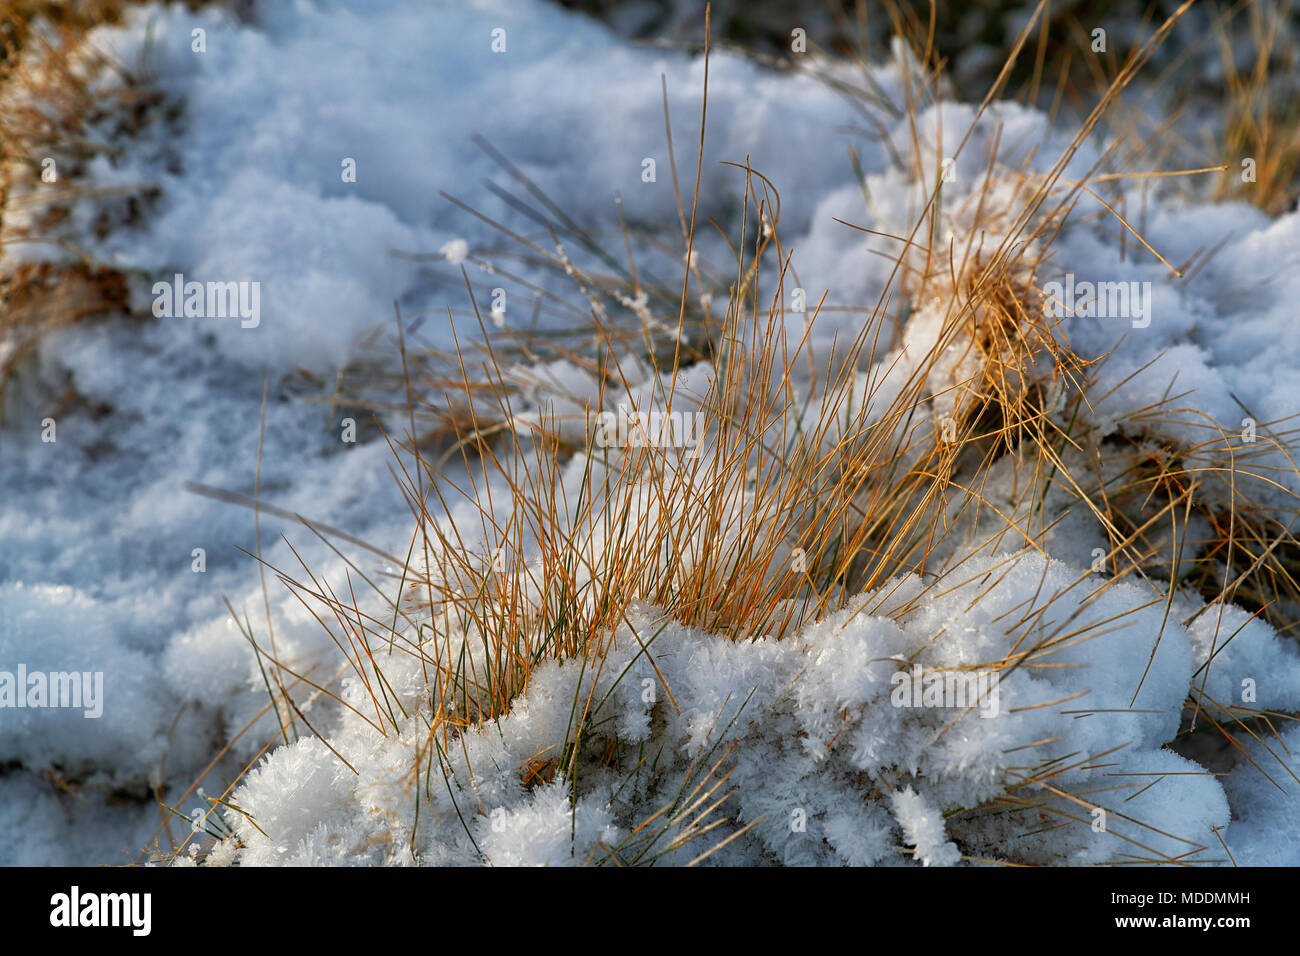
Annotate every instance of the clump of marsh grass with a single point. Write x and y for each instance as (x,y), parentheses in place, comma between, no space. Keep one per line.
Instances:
(532,540)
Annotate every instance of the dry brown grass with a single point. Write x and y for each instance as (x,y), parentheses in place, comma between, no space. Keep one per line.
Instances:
(47,111)
(52,110)
(1262,119)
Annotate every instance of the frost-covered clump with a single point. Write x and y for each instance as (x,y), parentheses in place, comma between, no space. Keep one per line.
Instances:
(1030,681)
(1056,753)
(1028,693)
(1017,701)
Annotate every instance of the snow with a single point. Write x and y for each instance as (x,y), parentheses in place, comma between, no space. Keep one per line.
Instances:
(97,530)
(456,251)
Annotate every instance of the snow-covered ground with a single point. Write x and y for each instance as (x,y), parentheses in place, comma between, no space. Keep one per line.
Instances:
(97,530)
